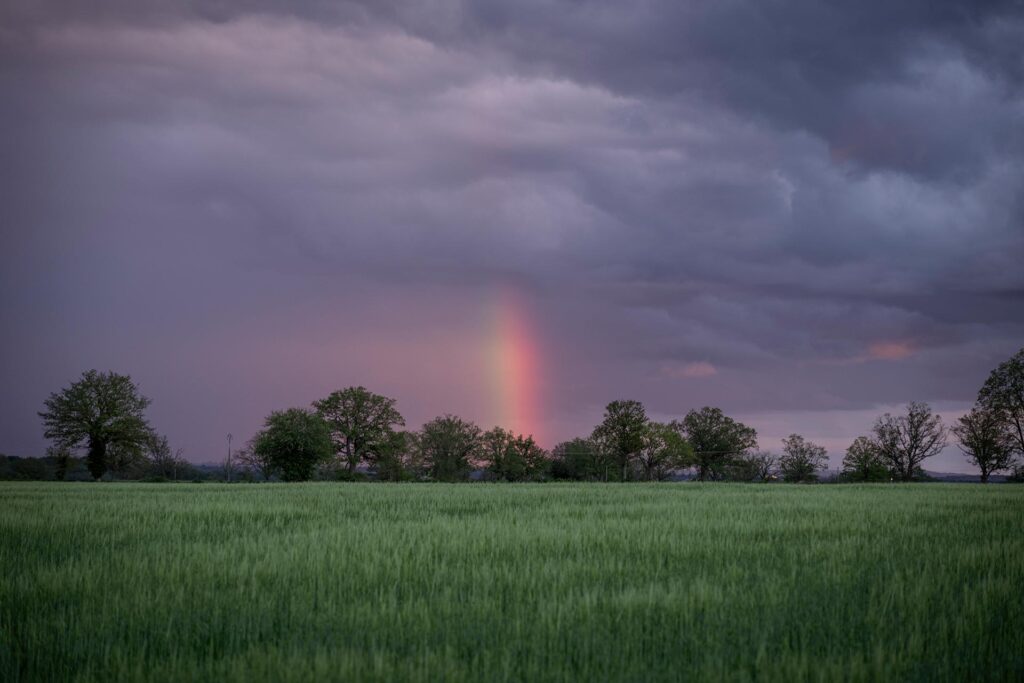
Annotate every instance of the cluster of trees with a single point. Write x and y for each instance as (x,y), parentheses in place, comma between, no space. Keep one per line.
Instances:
(354,433)
(14,468)
(357,432)
(991,435)
(71,468)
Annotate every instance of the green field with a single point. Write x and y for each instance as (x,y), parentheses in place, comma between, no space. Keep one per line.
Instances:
(511,582)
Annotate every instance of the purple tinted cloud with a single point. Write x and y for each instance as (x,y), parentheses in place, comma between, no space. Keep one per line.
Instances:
(787,207)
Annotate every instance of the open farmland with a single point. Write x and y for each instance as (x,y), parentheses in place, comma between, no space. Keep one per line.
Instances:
(510,582)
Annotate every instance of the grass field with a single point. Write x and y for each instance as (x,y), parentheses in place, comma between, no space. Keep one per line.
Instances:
(511,582)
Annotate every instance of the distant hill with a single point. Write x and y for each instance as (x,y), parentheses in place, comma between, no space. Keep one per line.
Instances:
(958,477)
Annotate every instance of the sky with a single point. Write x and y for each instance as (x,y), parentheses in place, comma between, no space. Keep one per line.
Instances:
(805,213)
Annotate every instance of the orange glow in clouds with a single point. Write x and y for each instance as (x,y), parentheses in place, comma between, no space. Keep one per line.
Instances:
(890,350)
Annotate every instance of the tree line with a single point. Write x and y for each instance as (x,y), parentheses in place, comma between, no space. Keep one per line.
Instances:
(355,434)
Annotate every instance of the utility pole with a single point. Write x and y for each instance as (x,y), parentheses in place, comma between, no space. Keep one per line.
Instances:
(229,473)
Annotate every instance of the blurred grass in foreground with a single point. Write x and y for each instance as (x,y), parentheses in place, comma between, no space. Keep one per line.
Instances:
(510,582)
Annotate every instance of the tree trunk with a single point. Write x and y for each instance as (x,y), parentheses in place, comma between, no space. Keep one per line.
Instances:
(351,459)
(62,467)
(984,476)
(97,458)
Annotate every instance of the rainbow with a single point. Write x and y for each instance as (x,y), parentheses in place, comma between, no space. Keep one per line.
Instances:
(515,365)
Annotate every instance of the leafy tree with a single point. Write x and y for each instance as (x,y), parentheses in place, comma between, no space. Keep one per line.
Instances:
(621,434)
(102,411)
(985,437)
(62,461)
(511,457)
(758,466)
(863,462)
(257,463)
(394,462)
(362,423)
(764,465)
(26,469)
(663,451)
(579,460)
(904,442)
(446,448)
(1003,392)
(336,470)
(294,442)
(801,460)
(716,439)
(127,462)
(163,462)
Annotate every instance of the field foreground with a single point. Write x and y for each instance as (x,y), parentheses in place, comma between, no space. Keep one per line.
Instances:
(510,582)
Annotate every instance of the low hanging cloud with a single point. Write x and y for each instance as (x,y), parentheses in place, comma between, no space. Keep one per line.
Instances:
(794,206)
(890,350)
(691,370)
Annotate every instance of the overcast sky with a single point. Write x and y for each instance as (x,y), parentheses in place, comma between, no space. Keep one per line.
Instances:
(806,213)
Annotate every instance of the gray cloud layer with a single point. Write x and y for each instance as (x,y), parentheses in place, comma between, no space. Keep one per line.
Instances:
(771,206)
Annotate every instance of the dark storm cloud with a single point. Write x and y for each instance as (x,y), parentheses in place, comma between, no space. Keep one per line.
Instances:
(767,205)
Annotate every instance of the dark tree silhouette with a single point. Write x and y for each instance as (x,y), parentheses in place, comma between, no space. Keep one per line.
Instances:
(986,439)
(904,442)
(163,461)
(801,460)
(446,448)
(362,424)
(757,466)
(62,460)
(664,451)
(395,460)
(511,457)
(1003,393)
(294,442)
(102,411)
(579,460)
(255,462)
(863,462)
(621,434)
(716,440)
